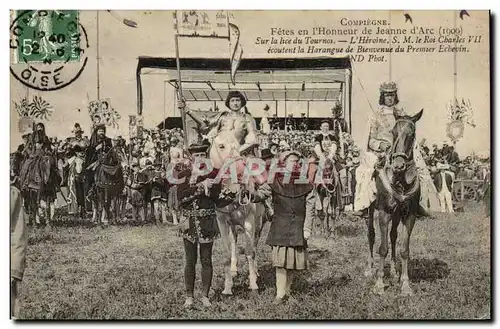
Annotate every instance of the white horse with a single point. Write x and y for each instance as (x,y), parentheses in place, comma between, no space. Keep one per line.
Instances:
(239,215)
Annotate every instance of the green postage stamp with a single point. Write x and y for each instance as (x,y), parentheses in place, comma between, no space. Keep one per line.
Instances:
(46,36)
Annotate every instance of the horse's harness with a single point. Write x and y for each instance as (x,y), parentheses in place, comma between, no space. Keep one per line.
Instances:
(400,196)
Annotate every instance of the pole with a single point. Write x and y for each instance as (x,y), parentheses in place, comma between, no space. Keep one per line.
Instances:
(390,53)
(97,60)
(455,75)
(164,103)
(179,89)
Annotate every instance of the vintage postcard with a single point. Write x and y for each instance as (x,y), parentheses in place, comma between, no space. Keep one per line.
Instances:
(225,164)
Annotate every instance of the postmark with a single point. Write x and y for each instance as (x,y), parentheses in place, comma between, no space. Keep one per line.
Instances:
(49,48)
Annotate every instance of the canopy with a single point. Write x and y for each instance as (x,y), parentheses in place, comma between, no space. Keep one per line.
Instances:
(278,79)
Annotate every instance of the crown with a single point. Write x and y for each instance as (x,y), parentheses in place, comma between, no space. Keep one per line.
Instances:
(388,87)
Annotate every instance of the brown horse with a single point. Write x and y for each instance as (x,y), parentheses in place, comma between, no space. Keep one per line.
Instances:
(397,201)
(109,184)
(39,181)
(329,199)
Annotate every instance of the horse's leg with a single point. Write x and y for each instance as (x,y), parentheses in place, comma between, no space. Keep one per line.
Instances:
(384,219)
(95,205)
(52,211)
(47,213)
(134,214)
(259,225)
(102,207)
(156,210)
(163,206)
(371,242)
(144,211)
(442,201)
(224,229)
(447,196)
(250,248)
(233,238)
(394,238)
(405,254)
(326,219)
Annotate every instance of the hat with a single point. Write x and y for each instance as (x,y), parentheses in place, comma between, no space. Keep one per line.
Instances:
(286,154)
(100,126)
(388,87)
(337,106)
(237,94)
(77,128)
(266,154)
(77,149)
(198,148)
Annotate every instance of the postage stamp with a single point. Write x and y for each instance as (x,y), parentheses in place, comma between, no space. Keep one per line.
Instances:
(47,48)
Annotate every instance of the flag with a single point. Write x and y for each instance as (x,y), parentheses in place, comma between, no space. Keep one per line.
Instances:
(201,23)
(236,51)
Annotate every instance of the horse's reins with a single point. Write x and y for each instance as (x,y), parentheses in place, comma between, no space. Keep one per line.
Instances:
(400,196)
(394,154)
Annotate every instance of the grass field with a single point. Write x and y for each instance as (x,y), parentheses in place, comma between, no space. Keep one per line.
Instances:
(127,272)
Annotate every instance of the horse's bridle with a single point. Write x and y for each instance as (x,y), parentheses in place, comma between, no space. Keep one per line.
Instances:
(400,196)
(394,154)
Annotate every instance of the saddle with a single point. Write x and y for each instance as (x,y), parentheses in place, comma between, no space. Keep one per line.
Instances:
(36,172)
(107,176)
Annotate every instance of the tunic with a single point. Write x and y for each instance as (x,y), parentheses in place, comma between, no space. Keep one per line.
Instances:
(197,212)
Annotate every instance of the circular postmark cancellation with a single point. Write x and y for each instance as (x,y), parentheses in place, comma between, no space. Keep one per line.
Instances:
(48,48)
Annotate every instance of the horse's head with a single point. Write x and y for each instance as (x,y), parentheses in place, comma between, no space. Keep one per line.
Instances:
(224,147)
(111,158)
(403,141)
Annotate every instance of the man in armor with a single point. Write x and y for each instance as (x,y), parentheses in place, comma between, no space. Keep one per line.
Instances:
(78,139)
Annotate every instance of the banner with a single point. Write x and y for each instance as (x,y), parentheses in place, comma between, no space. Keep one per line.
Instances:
(101,112)
(204,23)
(236,50)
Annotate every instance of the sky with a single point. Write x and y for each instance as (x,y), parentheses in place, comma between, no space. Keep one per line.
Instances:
(425,81)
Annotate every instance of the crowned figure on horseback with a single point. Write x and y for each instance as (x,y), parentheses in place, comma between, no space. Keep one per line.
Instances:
(390,184)
(379,143)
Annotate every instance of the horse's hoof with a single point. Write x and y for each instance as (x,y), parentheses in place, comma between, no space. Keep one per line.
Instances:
(189,302)
(379,289)
(234,273)
(406,291)
(253,288)
(227,292)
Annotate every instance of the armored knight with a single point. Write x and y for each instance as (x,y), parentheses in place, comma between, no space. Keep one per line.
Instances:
(78,139)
